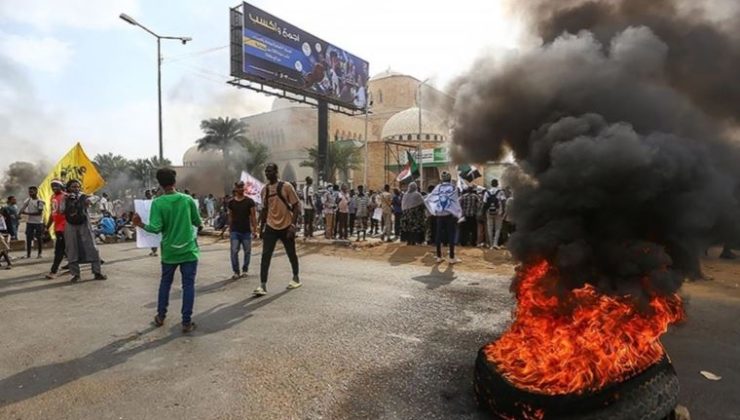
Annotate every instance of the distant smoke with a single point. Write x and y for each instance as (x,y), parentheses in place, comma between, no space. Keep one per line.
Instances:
(21,175)
(622,135)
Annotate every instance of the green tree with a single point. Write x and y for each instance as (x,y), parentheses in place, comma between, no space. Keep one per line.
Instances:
(341,157)
(225,134)
(228,135)
(257,155)
(110,166)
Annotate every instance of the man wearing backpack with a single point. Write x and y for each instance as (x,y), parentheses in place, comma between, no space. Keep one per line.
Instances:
(494,209)
(174,215)
(279,216)
(79,240)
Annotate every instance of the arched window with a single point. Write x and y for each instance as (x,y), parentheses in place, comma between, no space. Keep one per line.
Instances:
(408,137)
(428,136)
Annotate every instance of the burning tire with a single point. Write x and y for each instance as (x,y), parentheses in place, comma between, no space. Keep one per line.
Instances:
(651,394)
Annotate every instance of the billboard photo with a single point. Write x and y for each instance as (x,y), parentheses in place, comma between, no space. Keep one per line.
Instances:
(278,52)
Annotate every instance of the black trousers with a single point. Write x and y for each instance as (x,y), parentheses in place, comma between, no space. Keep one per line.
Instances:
(352,219)
(34,231)
(397,224)
(308,216)
(59,253)
(269,240)
(342,221)
(469,232)
(445,226)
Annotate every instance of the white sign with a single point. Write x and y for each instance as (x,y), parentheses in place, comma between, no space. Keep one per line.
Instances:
(252,187)
(145,239)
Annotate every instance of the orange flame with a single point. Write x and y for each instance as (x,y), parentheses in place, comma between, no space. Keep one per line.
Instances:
(603,340)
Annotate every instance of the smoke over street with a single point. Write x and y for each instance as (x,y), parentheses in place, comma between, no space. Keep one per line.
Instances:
(620,123)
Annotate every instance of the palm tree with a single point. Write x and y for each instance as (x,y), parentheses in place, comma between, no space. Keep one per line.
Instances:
(225,134)
(257,155)
(110,165)
(340,157)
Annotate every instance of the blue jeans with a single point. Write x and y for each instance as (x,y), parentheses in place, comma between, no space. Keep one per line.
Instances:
(243,241)
(187,270)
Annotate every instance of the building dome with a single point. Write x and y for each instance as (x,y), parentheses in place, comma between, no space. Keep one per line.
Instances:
(405,126)
(282,103)
(195,157)
(386,73)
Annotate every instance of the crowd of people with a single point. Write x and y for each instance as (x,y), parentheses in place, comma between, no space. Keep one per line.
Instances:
(393,214)
(444,215)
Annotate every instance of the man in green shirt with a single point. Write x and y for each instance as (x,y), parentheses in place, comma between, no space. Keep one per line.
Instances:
(174,215)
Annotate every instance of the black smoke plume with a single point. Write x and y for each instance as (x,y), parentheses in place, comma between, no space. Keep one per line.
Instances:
(21,175)
(631,174)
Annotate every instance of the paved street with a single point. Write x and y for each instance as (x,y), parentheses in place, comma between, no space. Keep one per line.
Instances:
(361,339)
(386,338)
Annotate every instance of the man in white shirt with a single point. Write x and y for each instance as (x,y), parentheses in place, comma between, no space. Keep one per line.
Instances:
(309,213)
(33,209)
(330,208)
(105,204)
(494,201)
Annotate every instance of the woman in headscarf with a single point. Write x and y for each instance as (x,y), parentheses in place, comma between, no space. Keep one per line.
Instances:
(78,235)
(413,216)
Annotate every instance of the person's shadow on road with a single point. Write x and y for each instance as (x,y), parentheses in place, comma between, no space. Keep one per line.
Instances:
(41,379)
(437,278)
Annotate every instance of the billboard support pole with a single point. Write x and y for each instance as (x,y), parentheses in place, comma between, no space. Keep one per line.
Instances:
(323,139)
(367,144)
(421,151)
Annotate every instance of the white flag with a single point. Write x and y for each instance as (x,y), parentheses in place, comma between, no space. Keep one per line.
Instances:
(252,187)
(444,200)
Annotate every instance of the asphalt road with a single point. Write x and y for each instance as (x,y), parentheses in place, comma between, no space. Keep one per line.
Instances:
(361,339)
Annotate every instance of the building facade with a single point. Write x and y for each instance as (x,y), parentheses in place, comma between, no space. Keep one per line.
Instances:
(395,125)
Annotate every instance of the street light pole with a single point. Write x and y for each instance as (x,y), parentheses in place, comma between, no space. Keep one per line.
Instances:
(184,39)
(159,96)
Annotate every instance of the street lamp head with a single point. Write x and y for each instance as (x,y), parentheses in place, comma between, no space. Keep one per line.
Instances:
(128,19)
(185,40)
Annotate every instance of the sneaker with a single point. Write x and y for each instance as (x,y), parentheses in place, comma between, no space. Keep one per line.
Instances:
(439,260)
(189,327)
(294,284)
(51,276)
(453,261)
(100,276)
(245,273)
(75,279)
(158,320)
(260,291)
(236,276)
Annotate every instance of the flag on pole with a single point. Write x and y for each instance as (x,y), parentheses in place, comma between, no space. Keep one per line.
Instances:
(410,170)
(468,172)
(252,187)
(74,165)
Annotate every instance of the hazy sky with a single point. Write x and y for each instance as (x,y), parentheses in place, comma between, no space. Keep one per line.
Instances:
(72,70)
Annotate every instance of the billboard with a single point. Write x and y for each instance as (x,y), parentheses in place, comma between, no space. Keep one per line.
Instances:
(278,53)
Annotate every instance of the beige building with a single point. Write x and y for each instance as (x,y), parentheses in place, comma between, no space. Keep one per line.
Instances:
(394,126)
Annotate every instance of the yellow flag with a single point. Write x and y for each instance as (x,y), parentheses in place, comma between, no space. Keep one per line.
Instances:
(74,165)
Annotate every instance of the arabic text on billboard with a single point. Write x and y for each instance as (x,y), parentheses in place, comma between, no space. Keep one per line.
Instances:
(278,51)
